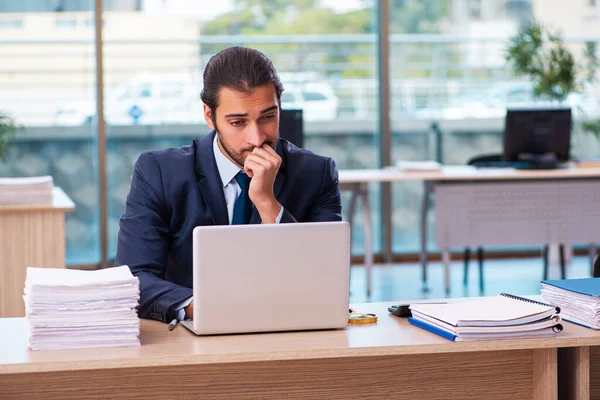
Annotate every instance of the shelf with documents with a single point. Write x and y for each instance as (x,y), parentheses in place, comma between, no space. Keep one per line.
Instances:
(337,364)
(30,235)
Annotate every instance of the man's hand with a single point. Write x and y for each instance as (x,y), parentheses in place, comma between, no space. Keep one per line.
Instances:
(262,166)
(189,310)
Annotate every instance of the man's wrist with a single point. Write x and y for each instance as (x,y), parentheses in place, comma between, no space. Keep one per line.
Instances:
(269,211)
(189,310)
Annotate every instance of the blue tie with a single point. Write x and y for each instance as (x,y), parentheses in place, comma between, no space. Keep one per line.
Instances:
(242,207)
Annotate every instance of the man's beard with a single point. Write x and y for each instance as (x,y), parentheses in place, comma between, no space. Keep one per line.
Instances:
(235,157)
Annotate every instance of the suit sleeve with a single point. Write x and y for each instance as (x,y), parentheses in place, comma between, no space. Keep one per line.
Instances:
(143,242)
(328,206)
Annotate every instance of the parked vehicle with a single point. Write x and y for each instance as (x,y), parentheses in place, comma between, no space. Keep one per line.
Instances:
(154,99)
(493,102)
(145,99)
(317,100)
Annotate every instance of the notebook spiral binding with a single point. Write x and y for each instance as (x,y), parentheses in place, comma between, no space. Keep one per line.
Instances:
(512,296)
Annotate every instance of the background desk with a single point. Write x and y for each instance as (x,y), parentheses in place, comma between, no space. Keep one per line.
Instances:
(30,236)
(583,198)
(391,359)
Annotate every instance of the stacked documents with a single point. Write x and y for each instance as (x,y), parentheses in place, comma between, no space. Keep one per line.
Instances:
(578,299)
(418,165)
(489,318)
(18,191)
(68,309)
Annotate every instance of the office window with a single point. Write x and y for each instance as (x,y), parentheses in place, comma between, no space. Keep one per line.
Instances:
(475,9)
(444,70)
(419,63)
(450,87)
(314,96)
(331,76)
(65,23)
(10,23)
(48,85)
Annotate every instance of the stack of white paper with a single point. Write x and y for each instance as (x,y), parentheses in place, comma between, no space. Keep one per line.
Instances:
(418,165)
(68,309)
(578,299)
(18,191)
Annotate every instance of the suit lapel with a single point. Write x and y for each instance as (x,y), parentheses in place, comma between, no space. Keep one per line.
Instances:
(209,180)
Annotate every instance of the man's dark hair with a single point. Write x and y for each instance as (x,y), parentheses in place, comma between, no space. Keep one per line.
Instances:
(238,68)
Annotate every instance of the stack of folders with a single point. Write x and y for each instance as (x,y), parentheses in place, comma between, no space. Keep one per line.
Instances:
(19,191)
(418,165)
(69,309)
(490,318)
(578,299)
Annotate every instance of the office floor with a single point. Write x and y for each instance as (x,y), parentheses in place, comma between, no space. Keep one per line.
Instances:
(394,282)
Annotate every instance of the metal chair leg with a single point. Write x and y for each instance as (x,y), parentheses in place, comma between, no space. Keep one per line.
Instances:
(561,250)
(592,253)
(446,261)
(364,193)
(427,189)
(480,259)
(545,256)
(467,256)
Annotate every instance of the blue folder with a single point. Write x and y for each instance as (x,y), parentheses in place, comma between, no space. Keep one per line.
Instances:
(585,286)
(432,329)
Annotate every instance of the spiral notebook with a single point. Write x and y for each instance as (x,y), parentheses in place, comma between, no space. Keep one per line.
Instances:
(543,332)
(489,318)
(499,317)
(504,309)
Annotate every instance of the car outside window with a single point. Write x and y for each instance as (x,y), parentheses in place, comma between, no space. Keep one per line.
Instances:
(313,96)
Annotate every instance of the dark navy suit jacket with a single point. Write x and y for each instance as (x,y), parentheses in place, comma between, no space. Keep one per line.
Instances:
(174,190)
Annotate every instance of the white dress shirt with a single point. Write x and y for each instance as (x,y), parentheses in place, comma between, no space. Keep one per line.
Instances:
(231,189)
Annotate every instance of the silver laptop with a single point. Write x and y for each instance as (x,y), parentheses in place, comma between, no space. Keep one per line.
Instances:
(275,277)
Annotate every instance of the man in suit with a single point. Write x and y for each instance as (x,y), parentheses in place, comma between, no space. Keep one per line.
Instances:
(242,172)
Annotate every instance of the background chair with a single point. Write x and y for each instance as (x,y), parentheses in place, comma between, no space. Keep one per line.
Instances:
(291,126)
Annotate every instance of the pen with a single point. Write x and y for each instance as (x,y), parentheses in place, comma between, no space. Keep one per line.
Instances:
(173,324)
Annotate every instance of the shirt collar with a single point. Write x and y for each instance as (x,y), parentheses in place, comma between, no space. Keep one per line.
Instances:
(227,169)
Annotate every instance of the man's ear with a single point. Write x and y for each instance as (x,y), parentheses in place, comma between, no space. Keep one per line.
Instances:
(208,117)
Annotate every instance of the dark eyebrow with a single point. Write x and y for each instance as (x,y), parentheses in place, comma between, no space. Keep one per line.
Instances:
(266,110)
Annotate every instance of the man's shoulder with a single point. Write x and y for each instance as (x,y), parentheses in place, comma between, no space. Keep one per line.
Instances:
(173,164)
(171,154)
(172,158)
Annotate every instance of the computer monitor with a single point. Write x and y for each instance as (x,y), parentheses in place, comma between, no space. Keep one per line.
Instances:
(291,126)
(537,135)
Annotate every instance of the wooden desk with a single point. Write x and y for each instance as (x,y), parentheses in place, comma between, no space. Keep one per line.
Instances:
(30,235)
(592,374)
(357,181)
(391,359)
(579,367)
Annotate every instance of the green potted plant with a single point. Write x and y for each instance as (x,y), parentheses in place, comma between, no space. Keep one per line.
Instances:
(8,129)
(540,54)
